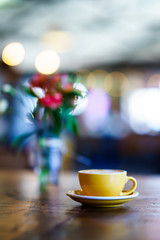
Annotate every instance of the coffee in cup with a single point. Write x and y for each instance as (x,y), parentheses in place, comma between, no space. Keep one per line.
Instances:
(105,182)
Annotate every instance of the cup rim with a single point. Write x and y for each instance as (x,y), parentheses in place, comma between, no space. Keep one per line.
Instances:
(109,171)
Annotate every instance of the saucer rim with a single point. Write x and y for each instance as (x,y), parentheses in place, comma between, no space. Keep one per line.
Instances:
(133,195)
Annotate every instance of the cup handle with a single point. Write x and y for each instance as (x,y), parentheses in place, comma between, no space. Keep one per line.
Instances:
(127,192)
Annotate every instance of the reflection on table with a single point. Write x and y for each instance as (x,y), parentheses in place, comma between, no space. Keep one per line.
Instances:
(28,213)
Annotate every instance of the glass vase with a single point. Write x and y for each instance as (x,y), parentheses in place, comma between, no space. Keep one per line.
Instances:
(48,160)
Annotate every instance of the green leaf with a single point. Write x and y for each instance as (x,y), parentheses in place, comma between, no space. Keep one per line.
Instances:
(72,124)
(72,77)
(57,121)
(28,91)
(72,94)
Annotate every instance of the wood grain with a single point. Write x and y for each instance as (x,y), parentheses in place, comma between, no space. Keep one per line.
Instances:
(28,213)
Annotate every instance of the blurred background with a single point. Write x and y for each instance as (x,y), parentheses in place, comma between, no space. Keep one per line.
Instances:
(114,49)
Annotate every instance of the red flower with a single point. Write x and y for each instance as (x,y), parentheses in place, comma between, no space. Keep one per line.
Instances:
(67,88)
(38,80)
(55,79)
(51,101)
(52,83)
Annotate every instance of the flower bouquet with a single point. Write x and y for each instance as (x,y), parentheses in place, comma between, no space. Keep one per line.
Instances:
(55,98)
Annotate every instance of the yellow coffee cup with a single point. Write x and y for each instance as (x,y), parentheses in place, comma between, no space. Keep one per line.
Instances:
(105,182)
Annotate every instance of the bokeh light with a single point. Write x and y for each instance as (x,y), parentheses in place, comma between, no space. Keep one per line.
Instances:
(100,76)
(60,41)
(47,62)
(108,83)
(91,81)
(13,54)
(97,112)
(100,73)
(136,79)
(154,81)
(117,82)
(141,109)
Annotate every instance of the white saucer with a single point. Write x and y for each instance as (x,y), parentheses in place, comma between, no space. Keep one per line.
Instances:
(94,201)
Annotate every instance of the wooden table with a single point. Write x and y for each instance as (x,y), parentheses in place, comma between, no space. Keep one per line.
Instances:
(26,213)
